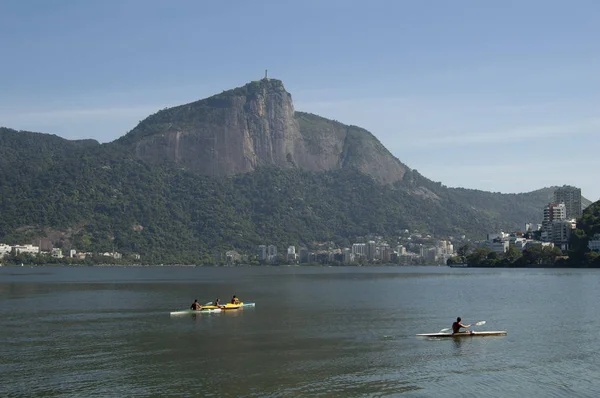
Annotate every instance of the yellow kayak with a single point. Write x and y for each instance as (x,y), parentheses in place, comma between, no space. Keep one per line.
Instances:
(224,307)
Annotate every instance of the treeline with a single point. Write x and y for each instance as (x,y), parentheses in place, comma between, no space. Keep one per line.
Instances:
(533,256)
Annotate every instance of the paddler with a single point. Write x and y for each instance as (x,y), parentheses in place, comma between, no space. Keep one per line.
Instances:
(235,300)
(457,325)
(216,303)
(196,306)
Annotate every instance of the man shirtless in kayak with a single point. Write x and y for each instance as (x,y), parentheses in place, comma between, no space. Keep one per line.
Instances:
(196,306)
(457,325)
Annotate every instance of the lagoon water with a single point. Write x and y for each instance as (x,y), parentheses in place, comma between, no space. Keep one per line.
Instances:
(315,331)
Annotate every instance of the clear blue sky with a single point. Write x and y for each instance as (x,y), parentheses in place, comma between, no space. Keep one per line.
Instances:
(494,95)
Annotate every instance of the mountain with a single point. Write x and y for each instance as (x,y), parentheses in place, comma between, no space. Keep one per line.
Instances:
(232,171)
(240,130)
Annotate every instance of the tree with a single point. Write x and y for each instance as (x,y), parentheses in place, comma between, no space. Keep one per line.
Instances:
(478,256)
(512,254)
(464,250)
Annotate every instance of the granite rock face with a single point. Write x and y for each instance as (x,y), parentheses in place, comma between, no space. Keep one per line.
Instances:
(254,125)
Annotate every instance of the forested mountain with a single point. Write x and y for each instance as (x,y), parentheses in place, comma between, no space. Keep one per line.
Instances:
(231,172)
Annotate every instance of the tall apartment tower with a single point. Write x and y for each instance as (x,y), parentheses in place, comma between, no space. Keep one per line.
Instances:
(571,197)
(552,212)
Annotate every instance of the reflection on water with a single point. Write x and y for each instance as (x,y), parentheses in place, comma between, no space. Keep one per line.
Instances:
(314,332)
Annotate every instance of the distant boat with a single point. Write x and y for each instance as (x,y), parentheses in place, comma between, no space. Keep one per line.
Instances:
(461,265)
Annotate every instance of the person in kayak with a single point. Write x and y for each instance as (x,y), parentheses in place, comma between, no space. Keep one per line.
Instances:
(196,306)
(457,325)
(235,300)
(216,303)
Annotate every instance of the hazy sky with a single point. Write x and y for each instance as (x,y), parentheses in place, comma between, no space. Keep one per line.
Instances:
(494,95)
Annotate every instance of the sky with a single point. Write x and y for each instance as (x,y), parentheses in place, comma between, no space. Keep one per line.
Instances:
(502,96)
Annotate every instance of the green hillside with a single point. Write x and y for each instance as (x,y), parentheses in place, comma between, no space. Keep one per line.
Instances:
(100,197)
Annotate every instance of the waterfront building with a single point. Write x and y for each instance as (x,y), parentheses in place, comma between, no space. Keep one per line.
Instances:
(359,249)
(291,253)
(304,255)
(552,212)
(262,253)
(385,253)
(371,250)
(561,232)
(271,252)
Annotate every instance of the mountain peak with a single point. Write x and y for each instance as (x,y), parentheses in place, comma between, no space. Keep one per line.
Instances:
(255,87)
(256,125)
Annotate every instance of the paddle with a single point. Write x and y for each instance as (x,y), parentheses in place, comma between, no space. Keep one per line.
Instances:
(475,324)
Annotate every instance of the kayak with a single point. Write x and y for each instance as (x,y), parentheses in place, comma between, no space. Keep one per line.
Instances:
(202,311)
(462,334)
(229,306)
(224,307)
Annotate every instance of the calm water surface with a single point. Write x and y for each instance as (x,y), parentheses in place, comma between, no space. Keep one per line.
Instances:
(347,331)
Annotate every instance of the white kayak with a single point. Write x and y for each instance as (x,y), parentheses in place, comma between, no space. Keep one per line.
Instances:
(465,334)
(190,311)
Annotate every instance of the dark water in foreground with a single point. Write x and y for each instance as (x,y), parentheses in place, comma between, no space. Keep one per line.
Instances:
(83,332)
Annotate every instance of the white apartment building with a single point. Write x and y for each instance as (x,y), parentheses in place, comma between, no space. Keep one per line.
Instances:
(561,232)
(552,212)
(291,253)
(271,252)
(359,249)
(498,245)
(532,227)
(5,250)
(401,250)
(27,249)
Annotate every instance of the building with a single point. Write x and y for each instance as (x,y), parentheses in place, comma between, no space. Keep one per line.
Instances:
(532,227)
(272,252)
(347,256)
(304,254)
(401,250)
(291,254)
(56,253)
(571,197)
(561,232)
(498,245)
(359,249)
(371,250)
(262,253)
(5,250)
(26,249)
(385,253)
(552,212)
